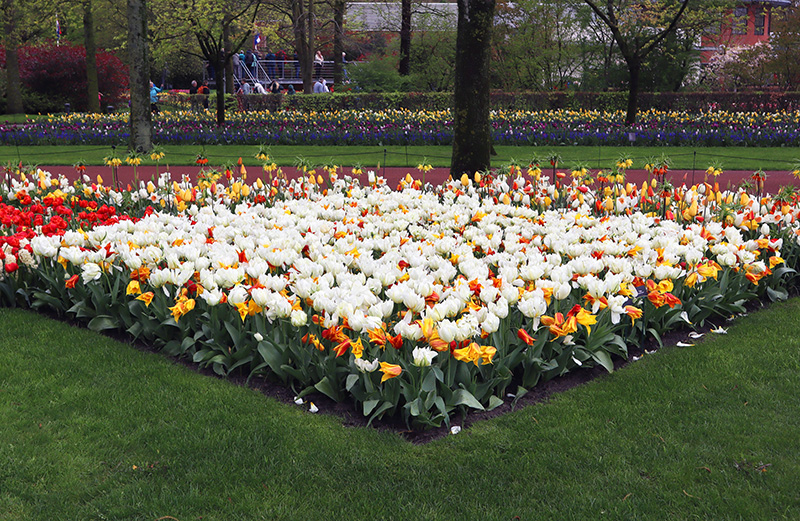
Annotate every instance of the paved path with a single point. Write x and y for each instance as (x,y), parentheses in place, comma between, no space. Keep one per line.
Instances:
(775,179)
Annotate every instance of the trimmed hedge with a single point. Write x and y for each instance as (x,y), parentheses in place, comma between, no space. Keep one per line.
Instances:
(535,101)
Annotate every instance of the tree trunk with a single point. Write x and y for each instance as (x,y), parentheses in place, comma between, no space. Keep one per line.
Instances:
(338,41)
(222,68)
(230,87)
(405,38)
(634,68)
(472,140)
(301,42)
(308,85)
(14,86)
(92,84)
(141,122)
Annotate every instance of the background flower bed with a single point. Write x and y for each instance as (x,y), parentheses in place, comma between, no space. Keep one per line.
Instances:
(419,302)
(424,127)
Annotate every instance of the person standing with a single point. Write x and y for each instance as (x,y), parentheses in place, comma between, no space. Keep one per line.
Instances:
(237,66)
(204,92)
(270,57)
(319,60)
(154,97)
(281,57)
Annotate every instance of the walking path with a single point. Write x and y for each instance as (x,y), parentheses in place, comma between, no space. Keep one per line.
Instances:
(125,175)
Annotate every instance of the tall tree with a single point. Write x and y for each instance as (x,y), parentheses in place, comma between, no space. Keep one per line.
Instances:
(339,7)
(637,28)
(92,83)
(220,27)
(21,21)
(140,119)
(405,38)
(472,139)
(304,36)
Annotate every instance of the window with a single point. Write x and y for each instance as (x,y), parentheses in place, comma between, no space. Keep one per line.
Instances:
(758,23)
(739,20)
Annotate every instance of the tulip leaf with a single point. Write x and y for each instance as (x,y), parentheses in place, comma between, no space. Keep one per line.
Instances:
(776,294)
(494,402)
(429,382)
(369,406)
(43,299)
(102,323)
(172,348)
(352,379)
(234,332)
(326,387)
(385,406)
(294,372)
(604,359)
(441,406)
(464,397)
(136,329)
(414,407)
(273,358)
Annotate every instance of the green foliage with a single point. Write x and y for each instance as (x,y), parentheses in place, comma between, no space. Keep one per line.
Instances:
(378,74)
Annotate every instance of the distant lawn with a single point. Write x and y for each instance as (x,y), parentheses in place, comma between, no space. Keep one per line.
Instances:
(731,158)
(94,429)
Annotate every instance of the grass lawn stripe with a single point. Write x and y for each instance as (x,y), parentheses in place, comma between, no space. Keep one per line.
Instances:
(707,432)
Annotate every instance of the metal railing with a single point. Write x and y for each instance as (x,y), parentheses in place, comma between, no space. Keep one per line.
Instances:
(284,72)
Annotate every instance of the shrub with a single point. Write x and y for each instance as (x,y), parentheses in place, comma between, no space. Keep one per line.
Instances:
(54,75)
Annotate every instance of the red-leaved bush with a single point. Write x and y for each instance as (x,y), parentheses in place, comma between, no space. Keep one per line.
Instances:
(58,72)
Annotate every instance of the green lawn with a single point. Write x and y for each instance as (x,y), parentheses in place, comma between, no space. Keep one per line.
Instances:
(91,428)
(731,158)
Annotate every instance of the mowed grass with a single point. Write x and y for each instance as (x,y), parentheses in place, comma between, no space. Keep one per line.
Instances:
(684,158)
(91,428)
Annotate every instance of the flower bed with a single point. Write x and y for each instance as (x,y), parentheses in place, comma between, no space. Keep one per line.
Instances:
(421,301)
(403,127)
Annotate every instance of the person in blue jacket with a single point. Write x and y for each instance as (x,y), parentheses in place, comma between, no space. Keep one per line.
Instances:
(154,97)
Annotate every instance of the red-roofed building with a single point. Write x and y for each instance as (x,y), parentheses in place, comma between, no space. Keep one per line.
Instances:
(747,24)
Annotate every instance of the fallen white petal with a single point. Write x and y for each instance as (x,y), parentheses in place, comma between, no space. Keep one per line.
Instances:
(684,344)
(720,331)
(696,335)
(313,408)
(455,429)
(298,401)
(685,317)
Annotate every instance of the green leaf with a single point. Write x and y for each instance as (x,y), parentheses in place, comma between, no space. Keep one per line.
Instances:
(414,407)
(464,397)
(102,323)
(429,382)
(604,359)
(494,402)
(234,332)
(136,329)
(294,372)
(777,294)
(326,387)
(369,406)
(273,358)
(352,379)
(385,406)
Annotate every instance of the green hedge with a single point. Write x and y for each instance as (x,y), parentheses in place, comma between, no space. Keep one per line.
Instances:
(536,101)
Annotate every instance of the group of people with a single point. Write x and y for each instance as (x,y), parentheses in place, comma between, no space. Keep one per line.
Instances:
(275,65)
(257,88)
